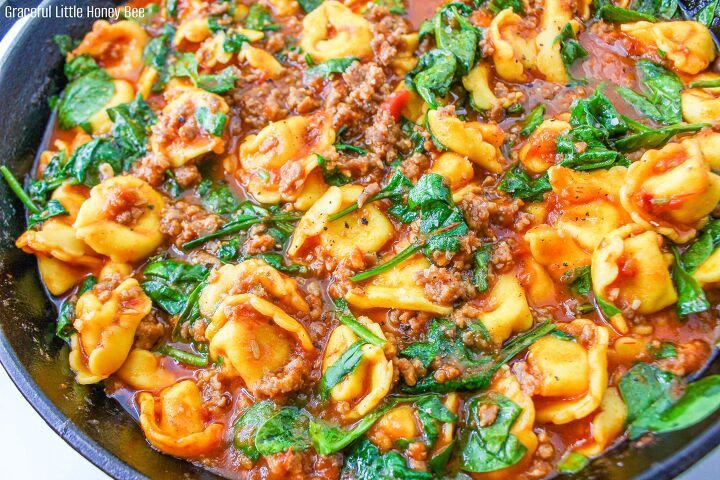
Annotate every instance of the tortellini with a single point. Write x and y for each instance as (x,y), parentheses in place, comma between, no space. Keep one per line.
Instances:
(368,384)
(121,219)
(194,31)
(262,61)
(458,170)
(177,422)
(709,271)
(701,104)
(607,425)
(588,209)
(539,152)
(283,150)
(630,270)
(57,238)
(672,189)
(571,374)
(106,330)
(514,48)
(405,59)
(255,339)
(366,229)
(229,279)
(479,142)
(178,133)
(688,46)
(332,30)
(143,370)
(477,82)
(396,288)
(117,47)
(509,312)
(556,14)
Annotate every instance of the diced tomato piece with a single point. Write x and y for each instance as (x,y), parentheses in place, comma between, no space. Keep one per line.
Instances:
(396,102)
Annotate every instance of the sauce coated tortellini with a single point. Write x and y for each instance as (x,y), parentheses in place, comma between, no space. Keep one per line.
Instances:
(672,189)
(571,373)
(275,162)
(177,422)
(367,385)
(456,169)
(479,142)
(144,370)
(701,105)
(100,122)
(117,47)
(396,288)
(509,311)
(246,276)
(261,60)
(687,45)
(332,30)
(178,134)
(708,272)
(106,330)
(629,270)
(540,151)
(256,340)
(514,48)
(607,425)
(556,14)
(366,229)
(477,82)
(121,219)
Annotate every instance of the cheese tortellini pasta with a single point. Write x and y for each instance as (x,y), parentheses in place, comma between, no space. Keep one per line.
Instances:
(332,30)
(117,47)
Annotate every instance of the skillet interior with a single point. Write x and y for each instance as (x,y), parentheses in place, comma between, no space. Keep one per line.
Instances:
(30,72)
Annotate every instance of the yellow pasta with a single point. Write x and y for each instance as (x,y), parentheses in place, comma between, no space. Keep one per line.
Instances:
(333,31)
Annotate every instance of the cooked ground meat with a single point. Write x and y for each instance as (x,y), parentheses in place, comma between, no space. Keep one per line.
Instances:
(152,168)
(185,221)
(442,285)
(216,396)
(502,256)
(124,206)
(187,175)
(690,357)
(487,413)
(290,378)
(150,330)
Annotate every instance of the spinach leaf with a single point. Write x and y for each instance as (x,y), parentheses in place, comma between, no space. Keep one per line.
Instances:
(84,165)
(182,356)
(234,41)
(462,42)
(662,351)
(409,130)
(218,83)
(701,398)
(705,245)
(431,412)
(578,280)
(518,184)
(655,138)
(286,429)
(433,76)
(334,65)
(332,177)
(657,8)
(646,390)
(661,99)
(259,18)
(341,146)
(607,308)
(614,14)
(570,51)
(213,123)
(705,84)
(65,43)
(397,187)
(83,97)
(497,6)
(482,267)
(52,209)
(131,122)
(276,260)
(156,55)
(171,6)
(168,283)
(598,112)
(309,5)
(346,317)
(691,297)
(492,447)
(64,326)
(343,366)
(79,66)
(365,462)
(707,14)
(573,463)
(478,369)
(439,343)
(216,198)
(533,120)
(247,425)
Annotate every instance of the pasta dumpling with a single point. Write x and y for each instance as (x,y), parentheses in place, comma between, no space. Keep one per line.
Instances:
(261,60)
(477,82)
(607,425)
(539,152)
(332,30)
(106,330)
(509,312)
(514,48)
(117,47)
(701,105)
(100,122)
(571,374)
(143,370)
(368,384)
(275,162)
(396,288)
(458,170)
(709,271)
(556,14)
(121,219)
(687,45)
(256,339)
(672,189)
(366,229)
(178,134)
(479,142)
(630,270)
(194,31)
(177,422)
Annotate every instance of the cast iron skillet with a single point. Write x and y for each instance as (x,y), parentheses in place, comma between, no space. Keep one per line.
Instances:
(95,426)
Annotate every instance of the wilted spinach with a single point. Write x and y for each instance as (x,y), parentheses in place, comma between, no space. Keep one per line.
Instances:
(259,18)
(660,100)
(570,51)
(345,365)
(217,198)
(518,184)
(691,297)
(169,282)
(705,245)
(482,267)
(83,97)
(334,65)
(365,462)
